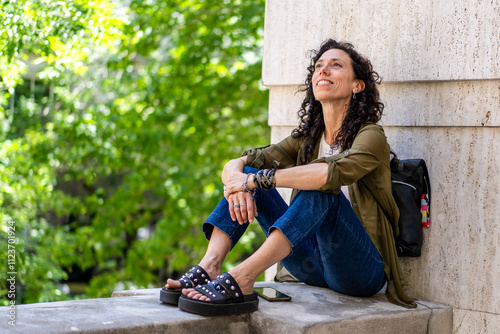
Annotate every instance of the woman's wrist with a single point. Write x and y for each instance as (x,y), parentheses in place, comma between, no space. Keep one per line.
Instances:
(251,182)
(248,184)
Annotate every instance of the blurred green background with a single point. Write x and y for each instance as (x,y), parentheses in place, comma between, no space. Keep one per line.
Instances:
(116,119)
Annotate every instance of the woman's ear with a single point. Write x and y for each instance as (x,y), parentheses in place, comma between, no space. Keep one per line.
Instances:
(359,86)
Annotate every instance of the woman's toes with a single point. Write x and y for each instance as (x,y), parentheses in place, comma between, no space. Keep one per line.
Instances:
(193,294)
(204,298)
(186,292)
(200,296)
(171,284)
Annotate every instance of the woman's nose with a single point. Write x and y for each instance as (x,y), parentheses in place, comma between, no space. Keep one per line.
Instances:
(324,69)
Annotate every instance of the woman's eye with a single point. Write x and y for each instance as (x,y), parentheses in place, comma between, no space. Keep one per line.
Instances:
(320,65)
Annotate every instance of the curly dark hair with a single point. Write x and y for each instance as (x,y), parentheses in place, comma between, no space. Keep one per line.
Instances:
(366,107)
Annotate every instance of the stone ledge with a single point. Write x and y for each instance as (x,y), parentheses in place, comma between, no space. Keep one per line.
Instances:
(312,310)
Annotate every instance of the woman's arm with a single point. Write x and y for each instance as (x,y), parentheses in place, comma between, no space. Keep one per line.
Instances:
(307,177)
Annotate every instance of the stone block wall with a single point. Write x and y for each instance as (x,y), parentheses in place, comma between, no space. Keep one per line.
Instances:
(440,64)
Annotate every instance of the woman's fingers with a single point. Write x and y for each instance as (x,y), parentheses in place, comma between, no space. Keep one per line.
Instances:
(235,208)
(242,207)
(240,210)
(242,203)
(230,202)
(250,206)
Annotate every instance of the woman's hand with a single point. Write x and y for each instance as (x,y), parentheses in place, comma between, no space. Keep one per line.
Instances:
(242,207)
(235,183)
(241,204)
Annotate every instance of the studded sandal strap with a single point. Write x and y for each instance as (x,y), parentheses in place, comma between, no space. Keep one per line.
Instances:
(232,288)
(196,276)
(210,290)
(220,291)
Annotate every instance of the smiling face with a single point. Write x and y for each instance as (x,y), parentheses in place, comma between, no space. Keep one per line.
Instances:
(333,78)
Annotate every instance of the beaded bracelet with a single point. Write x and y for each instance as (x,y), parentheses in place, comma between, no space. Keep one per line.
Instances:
(265,178)
(245,185)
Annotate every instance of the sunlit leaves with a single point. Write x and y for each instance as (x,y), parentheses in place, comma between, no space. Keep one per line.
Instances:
(60,33)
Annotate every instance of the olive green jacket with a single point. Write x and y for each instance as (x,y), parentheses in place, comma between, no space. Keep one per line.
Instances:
(365,169)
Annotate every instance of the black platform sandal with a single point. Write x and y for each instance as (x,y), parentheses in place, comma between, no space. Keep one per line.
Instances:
(196,276)
(225,298)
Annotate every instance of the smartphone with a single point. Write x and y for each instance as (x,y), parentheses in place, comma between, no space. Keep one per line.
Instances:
(272,295)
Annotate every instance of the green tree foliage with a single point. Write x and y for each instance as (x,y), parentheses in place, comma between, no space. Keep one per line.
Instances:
(114,169)
(58,33)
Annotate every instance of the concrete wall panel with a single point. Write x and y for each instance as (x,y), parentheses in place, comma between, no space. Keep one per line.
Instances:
(281,132)
(284,101)
(470,322)
(406,40)
(444,103)
(450,103)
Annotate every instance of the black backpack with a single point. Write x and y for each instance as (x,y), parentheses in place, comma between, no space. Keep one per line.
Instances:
(411,189)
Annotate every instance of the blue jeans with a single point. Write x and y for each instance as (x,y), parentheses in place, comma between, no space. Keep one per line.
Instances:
(330,246)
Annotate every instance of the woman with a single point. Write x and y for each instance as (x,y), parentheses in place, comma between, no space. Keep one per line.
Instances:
(334,233)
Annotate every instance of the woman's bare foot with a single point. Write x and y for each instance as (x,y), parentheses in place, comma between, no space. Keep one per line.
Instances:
(210,267)
(275,248)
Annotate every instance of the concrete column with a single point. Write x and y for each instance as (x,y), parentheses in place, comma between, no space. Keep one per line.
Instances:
(440,64)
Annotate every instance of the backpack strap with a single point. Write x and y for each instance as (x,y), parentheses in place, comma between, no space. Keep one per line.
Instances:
(427,192)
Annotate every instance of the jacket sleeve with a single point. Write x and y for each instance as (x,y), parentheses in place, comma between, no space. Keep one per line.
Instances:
(285,152)
(366,154)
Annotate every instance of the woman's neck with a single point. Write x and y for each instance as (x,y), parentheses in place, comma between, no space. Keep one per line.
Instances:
(333,115)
